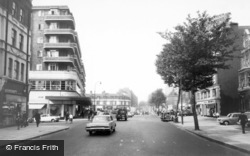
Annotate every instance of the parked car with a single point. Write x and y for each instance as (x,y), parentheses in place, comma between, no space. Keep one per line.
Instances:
(130,114)
(101,123)
(49,118)
(230,119)
(166,116)
(122,114)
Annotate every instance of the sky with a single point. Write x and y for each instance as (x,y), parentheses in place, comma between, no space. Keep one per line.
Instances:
(119,40)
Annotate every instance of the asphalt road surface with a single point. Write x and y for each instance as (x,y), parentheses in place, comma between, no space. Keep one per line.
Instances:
(139,136)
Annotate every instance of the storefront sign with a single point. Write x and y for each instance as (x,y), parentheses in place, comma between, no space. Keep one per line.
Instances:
(12,87)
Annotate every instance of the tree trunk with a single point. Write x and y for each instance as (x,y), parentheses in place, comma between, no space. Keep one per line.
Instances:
(196,124)
(178,101)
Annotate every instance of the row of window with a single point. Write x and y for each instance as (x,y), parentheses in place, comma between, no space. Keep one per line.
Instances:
(16,70)
(205,94)
(53,12)
(19,15)
(112,103)
(14,39)
(54,85)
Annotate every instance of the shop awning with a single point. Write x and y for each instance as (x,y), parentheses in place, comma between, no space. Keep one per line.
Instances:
(78,100)
(36,106)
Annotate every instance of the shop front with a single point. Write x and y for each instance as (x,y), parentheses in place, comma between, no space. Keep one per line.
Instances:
(13,102)
(208,108)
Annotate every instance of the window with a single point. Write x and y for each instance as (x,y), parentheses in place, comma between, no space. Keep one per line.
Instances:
(39,67)
(55,85)
(208,93)
(40,26)
(40,53)
(22,72)
(21,42)
(13,9)
(21,15)
(13,37)
(53,26)
(53,66)
(214,92)
(41,13)
(10,67)
(16,70)
(53,39)
(40,40)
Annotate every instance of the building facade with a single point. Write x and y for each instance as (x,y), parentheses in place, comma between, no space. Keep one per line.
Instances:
(14,59)
(57,72)
(244,72)
(107,101)
(222,97)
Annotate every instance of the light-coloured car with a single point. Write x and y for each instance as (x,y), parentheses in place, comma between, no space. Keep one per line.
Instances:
(49,118)
(230,119)
(130,114)
(101,123)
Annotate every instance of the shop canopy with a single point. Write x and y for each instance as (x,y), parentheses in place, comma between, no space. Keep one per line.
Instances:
(36,106)
(79,100)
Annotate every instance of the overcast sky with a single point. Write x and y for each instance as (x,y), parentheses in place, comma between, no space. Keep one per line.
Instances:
(119,40)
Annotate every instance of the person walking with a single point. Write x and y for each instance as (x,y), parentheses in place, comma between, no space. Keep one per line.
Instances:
(89,114)
(67,116)
(18,121)
(71,118)
(243,120)
(38,119)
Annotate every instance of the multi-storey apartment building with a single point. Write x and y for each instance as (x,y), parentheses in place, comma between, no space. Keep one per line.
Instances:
(107,101)
(244,72)
(57,72)
(223,96)
(14,58)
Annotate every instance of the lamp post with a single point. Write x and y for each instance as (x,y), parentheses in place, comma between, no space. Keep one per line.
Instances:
(98,82)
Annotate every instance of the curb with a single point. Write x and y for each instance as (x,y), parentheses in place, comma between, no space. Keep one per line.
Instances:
(214,140)
(219,142)
(19,141)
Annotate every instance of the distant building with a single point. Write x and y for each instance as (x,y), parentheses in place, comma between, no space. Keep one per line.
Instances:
(110,101)
(15,39)
(223,96)
(244,72)
(57,72)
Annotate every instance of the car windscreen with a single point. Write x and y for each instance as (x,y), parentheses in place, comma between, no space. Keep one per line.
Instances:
(100,119)
(229,115)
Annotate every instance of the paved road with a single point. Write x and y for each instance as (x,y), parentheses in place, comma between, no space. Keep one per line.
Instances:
(139,136)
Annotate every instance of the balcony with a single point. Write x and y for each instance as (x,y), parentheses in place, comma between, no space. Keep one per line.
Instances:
(60,31)
(69,18)
(60,45)
(59,59)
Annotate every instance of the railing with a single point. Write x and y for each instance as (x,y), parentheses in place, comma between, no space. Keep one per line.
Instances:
(59,59)
(60,45)
(60,31)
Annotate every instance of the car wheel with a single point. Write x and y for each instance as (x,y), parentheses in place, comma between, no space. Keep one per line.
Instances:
(226,123)
(52,120)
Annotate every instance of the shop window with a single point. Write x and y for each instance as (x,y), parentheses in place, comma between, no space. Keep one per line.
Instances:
(55,85)
(10,67)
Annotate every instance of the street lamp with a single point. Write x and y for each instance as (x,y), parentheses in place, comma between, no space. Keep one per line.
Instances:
(98,82)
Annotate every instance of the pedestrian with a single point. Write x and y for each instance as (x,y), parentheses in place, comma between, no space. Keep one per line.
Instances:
(18,121)
(38,119)
(67,116)
(243,120)
(89,114)
(71,118)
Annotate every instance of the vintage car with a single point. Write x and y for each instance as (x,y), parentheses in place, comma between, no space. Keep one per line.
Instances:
(48,118)
(101,123)
(122,114)
(166,116)
(230,119)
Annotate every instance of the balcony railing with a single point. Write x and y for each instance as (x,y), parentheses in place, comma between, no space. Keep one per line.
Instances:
(59,59)
(60,45)
(60,31)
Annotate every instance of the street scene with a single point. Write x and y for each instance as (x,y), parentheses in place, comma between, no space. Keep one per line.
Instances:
(124,77)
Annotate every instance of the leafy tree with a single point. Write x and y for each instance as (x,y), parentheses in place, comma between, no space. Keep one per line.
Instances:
(157,98)
(196,50)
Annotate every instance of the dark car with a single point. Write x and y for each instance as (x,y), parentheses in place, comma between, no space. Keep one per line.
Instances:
(122,114)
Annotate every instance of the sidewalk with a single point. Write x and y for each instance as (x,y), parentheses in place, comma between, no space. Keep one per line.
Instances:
(210,129)
(32,131)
